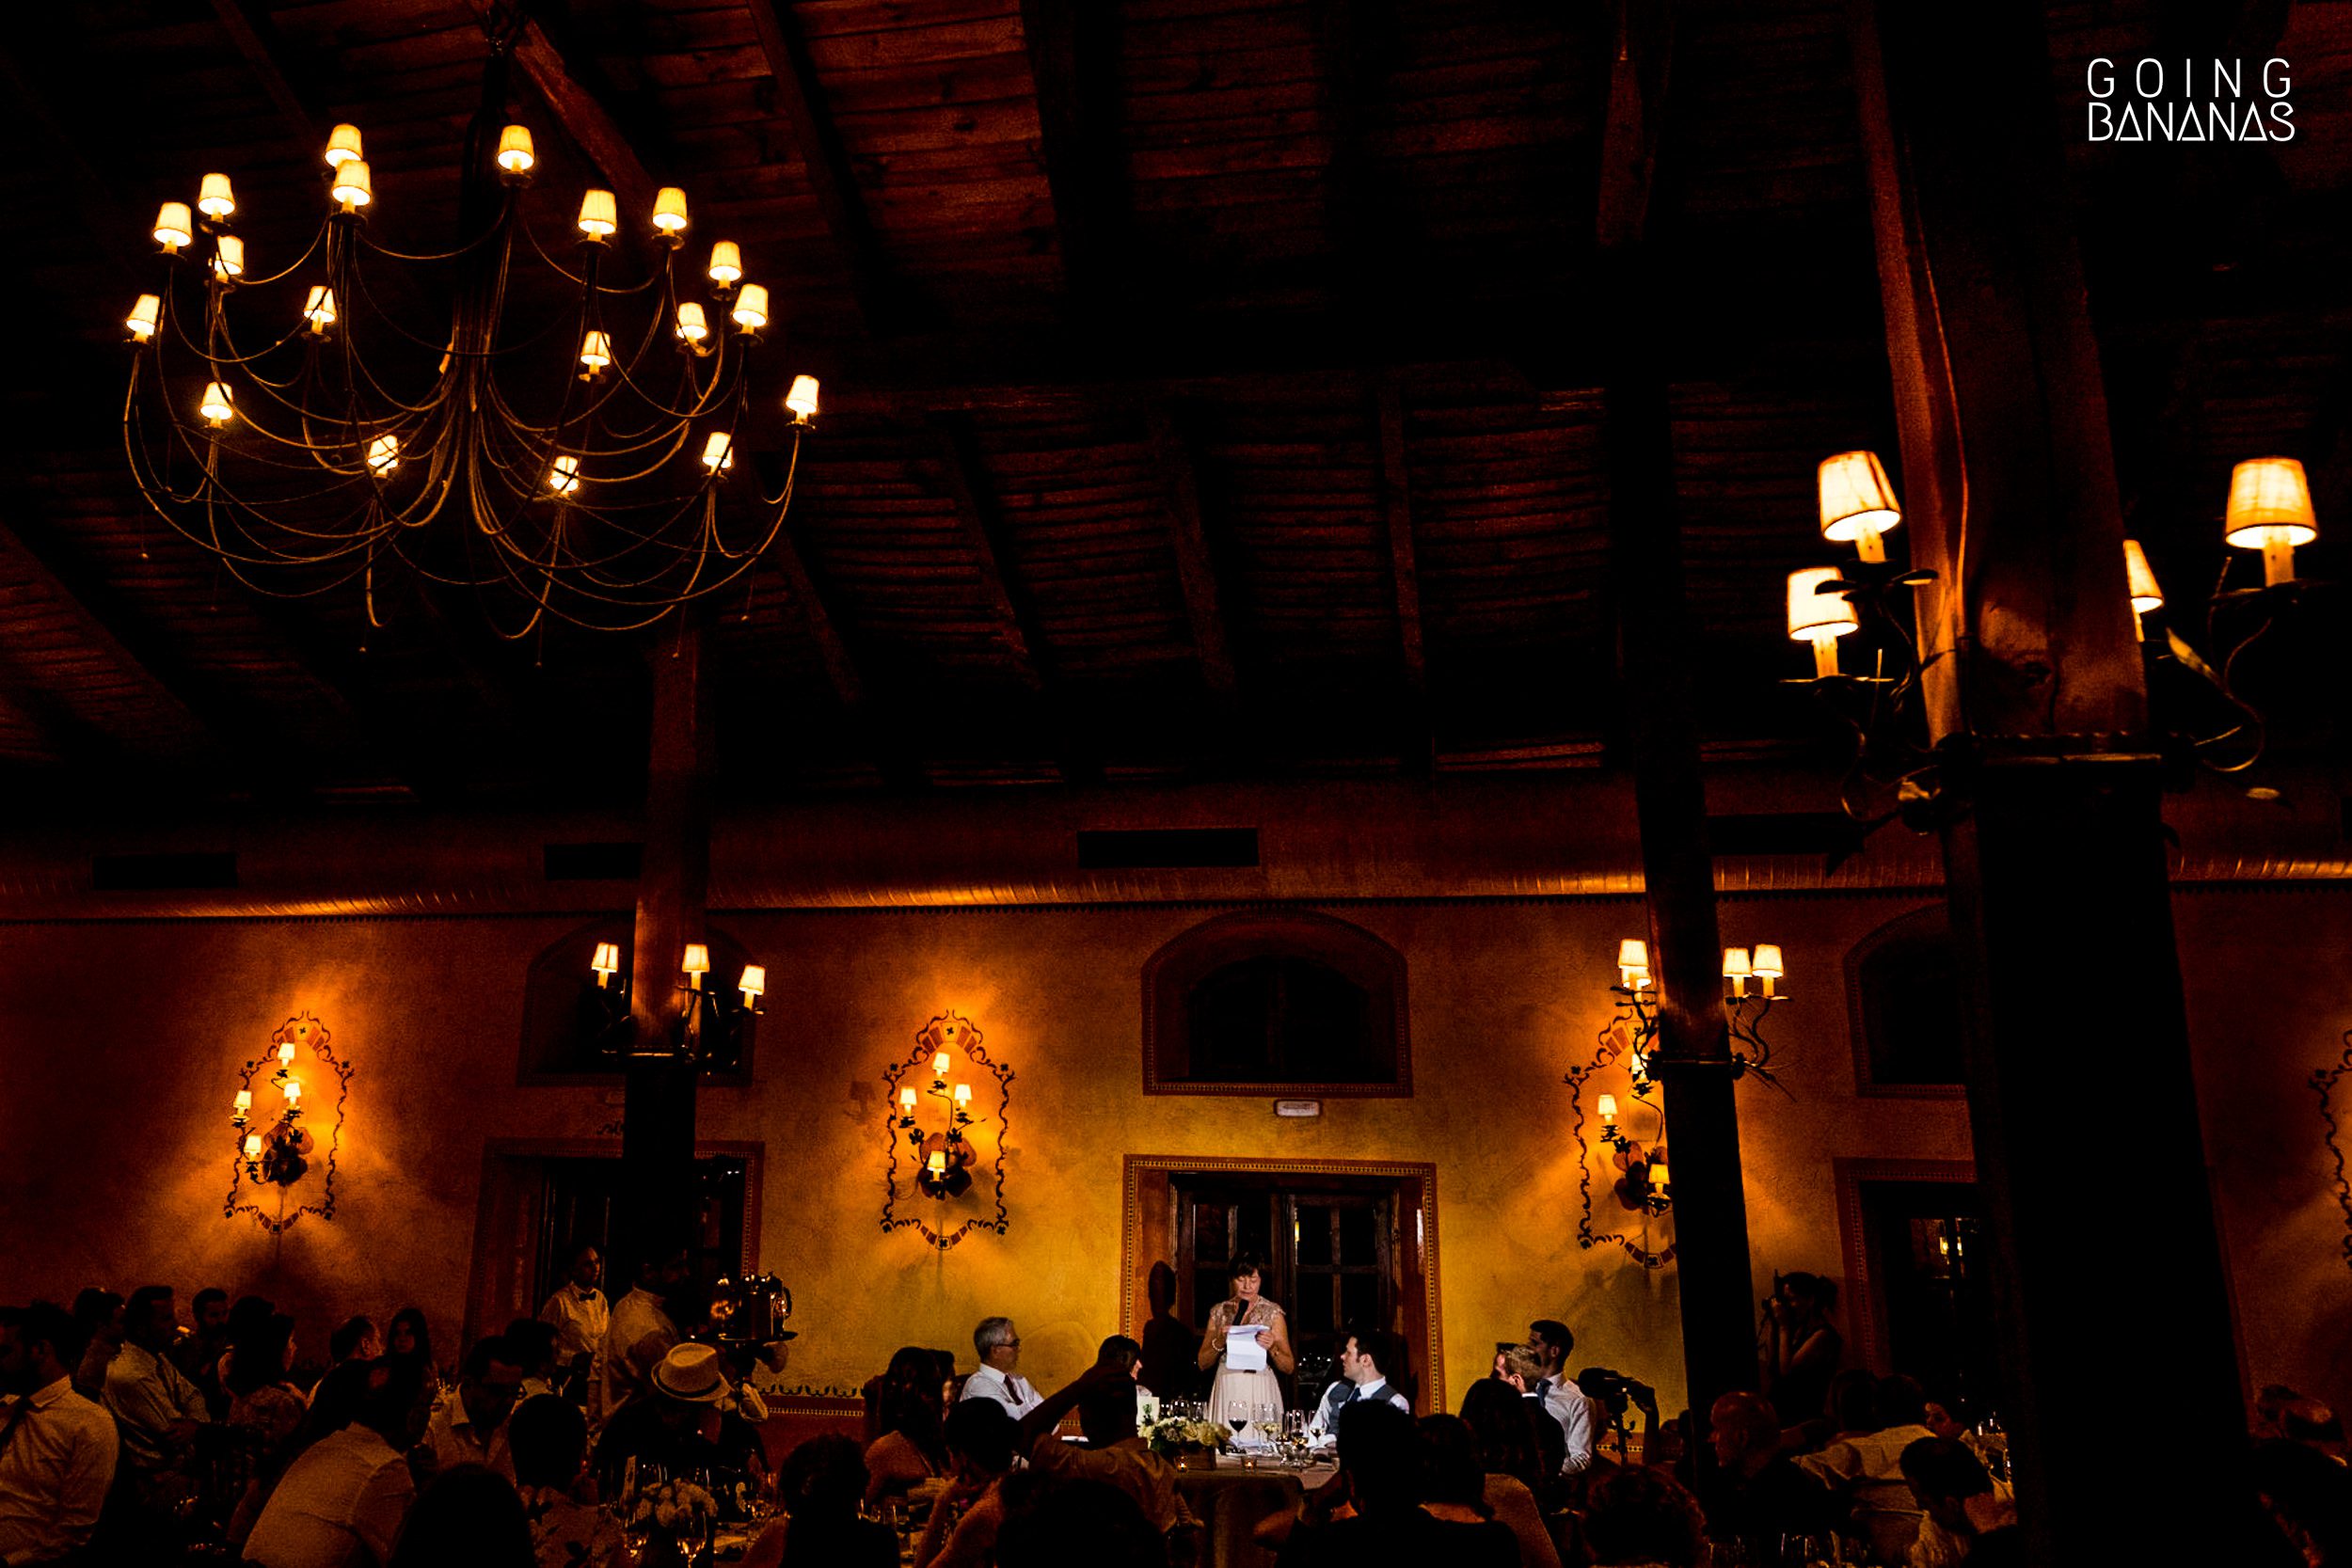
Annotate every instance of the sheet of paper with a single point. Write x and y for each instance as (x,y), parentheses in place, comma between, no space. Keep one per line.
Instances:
(1243,1354)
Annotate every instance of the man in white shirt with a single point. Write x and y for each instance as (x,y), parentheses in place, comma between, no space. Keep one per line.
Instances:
(579,1315)
(56,1448)
(465,1428)
(341,1503)
(1581,1418)
(159,1409)
(999,1344)
(1362,1356)
(639,1333)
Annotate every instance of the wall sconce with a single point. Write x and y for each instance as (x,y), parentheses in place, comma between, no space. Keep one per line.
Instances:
(276,1152)
(940,1141)
(2323,1082)
(710,1026)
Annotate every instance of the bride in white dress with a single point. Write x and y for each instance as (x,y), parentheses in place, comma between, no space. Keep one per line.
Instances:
(1237,1395)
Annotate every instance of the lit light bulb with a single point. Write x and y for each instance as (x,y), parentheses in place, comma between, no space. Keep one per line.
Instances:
(906,1097)
(669,211)
(292,1090)
(1857,502)
(253,1146)
(939,1064)
(516,154)
(1820,617)
(319,308)
(245,1101)
(1609,1110)
(608,956)
(174,228)
(697,960)
(1633,963)
(229,257)
(596,351)
(565,477)
(1661,1179)
(750,307)
(726,263)
(286,1052)
(215,199)
(354,187)
(938,1162)
(599,216)
(1737,969)
(342,146)
(963,1094)
(754,981)
(691,324)
(383,455)
(717,452)
(145,312)
(215,407)
(802,398)
(2270,510)
(1767,965)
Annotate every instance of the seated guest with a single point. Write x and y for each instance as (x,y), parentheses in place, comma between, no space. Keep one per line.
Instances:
(1501,1428)
(410,1339)
(465,1518)
(1638,1514)
(1851,1409)
(1382,1477)
(1867,1466)
(579,1315)
(821,1487)
(156,1406)
(354,1339)
(1365,1357)
(547,1438)
(681,1422)
(639,1331)
(198,1354)
(1955,1492)
(533,1345)
(342,1503)
(1054,1522)
(262,1398)
(464,1428)
(58,1449)
(335,1403)
(1759,1494)
(1458,1488)
(999,1344)
(1557,1396)
(1104,1399)
(962,1532)
(2309,1496)
(98,1319)
(905,1405)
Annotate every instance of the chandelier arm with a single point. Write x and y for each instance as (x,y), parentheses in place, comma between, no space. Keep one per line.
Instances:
(318,238)
(506,207)
(703,396)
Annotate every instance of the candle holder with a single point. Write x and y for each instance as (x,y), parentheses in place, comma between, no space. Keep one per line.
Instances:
(940,1139)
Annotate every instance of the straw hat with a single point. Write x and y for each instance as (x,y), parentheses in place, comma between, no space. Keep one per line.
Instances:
(691,1373)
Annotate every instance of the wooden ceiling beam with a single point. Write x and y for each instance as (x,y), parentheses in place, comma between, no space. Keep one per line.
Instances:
(1196,570)
(581,114)
(1073,66)
(826,160)
(1396,509)
(251,42)
(1641,56)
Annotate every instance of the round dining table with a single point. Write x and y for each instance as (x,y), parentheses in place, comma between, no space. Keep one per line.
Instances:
(1231,1497)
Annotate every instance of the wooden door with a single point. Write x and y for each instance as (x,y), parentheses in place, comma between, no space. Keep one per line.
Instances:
(1342,1271)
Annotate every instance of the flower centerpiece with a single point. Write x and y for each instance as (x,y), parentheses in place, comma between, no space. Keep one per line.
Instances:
(675,1518)
(1180,1438)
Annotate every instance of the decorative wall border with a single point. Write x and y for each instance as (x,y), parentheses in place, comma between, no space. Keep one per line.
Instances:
(1866,1316)
(1131,1228)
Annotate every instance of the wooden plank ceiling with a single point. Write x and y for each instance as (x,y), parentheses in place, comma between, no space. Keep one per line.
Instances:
(1205,379)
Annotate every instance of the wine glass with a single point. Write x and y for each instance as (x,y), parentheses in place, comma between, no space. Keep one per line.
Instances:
(1270,1423)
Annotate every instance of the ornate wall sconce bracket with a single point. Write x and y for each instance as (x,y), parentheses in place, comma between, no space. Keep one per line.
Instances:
(940,1141)
(274,1153)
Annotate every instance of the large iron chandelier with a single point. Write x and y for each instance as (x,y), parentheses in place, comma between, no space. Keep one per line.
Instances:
(570,461)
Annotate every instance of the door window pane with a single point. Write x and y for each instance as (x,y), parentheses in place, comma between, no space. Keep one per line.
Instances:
(1357,1245)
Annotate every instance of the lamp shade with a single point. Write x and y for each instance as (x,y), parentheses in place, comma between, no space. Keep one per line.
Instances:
(383,455)
(563,478)
(354,187)
(939,1061)
(963,1094)
(2146,594)
(145,312)
(906,1097)
(607,958)
(1735,966)
(1814,614)
(2271,503)
(253,1146)
(174,225)
(692,324)
(245,1099)
(1608,1107)
(599,217)
(291,1090)
(342,146)
(516,154)
(215,199)
(1767,960)
(596,351)
(669,209)
(802,398)
(1633,953)
(716,452)
(727,262)
(698,958)
(1660,1176)
(754,981)
(1856,498)
(228,258)
(318,306)
(215,406)
(751,307)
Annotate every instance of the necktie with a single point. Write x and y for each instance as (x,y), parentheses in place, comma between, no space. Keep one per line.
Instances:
(1542,1385)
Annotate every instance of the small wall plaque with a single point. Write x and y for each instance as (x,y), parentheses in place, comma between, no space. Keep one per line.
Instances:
(1298,1107)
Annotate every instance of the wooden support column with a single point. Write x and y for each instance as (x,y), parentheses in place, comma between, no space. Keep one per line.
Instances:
(2071,992)
(657,1119)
